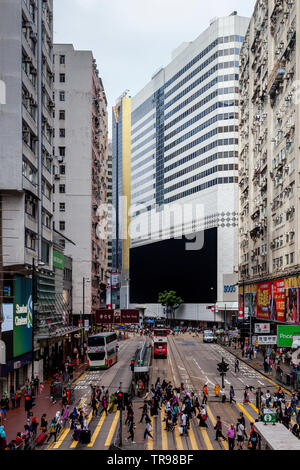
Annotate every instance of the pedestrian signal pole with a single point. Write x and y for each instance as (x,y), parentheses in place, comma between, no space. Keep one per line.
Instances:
(120,407)
(223,368)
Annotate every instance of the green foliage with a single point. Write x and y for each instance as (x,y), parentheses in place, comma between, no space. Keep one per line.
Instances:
(170,299)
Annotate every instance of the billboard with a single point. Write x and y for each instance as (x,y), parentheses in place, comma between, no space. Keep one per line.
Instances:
(22,315)
(286,333)
(117,316)
(272,300)
(8,317)
(262,328)
(58,260)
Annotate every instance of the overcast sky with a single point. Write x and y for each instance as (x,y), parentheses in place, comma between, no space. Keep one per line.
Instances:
(131,39)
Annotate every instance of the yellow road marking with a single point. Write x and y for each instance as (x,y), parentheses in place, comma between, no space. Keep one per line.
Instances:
(245,412)
(206,439)
(66,431)
(193,438)
(97,430)
(164,435)
(213,420)
(112,429)
(79,378)
(149,440)
(75,443)
(178,439)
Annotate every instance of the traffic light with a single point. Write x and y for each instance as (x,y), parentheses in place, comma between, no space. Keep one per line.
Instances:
(225,367)
(28,403)
(120,400)
(126,399)
(132,366)
(220,367)
(32,401)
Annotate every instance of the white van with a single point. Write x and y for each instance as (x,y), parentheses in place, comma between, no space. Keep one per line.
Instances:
(208,336)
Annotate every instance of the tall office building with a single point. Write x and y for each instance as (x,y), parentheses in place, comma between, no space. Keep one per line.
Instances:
(269,164)
(26,73)
(121,160)
(80,181)
(184,150)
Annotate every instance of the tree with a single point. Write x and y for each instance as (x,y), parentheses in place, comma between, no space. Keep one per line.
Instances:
(170,300)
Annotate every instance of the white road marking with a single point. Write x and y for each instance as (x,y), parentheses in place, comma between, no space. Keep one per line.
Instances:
(229,383)
(261,383)
(241,380)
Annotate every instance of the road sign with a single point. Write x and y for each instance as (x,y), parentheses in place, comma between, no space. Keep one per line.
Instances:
(269,416)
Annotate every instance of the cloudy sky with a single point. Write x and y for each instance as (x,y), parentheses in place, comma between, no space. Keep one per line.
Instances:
(131,39)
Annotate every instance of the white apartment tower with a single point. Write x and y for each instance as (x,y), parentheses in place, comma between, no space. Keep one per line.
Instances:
(184,149)
(80,182)
(269,162)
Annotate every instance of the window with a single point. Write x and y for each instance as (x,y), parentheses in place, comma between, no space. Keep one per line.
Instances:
(292,257)
(62,59)
(61,96)
(62,151)
(30,240)
(45,252)
(62,114)
(62,188)
(62,242)
(53,207)
(62,169)
(62,207)
(62,225)
(62,132)
(62,77)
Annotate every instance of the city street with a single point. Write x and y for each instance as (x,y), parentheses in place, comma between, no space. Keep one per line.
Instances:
(189,361)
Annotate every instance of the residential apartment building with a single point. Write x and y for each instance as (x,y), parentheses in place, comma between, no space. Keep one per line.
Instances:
(269,163)
(26,69)
(81,171)
(121,160)
(184,150)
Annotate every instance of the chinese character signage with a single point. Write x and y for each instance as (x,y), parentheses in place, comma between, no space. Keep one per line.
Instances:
(117,316)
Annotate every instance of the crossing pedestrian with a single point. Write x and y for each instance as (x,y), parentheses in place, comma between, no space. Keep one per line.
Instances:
(236,366)
(131,429)
(232,394)
(144,411)
(205,394)
(231,433)
(218,429)
(148,429)
(240,431)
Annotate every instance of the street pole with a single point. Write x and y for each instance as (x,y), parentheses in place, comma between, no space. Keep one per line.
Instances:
(82,320)
(120,424)
(33,314)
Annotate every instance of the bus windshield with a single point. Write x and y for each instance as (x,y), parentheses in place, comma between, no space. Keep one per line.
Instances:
(160,333)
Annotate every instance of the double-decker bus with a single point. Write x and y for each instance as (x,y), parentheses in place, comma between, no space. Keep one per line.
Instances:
(102,350)
(160,342)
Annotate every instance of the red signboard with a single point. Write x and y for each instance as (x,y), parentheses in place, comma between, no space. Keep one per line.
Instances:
(263,294)
(213,309)
(117,316)
(271,300)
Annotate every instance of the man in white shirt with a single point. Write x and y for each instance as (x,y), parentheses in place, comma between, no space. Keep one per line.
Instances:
(240,431)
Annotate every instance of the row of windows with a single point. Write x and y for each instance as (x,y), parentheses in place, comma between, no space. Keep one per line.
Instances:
(140,126)
(199,80)
(140,183)
(204,137)
(146,131)
(141,144)
(202,187)
(221,65)
(218,117)
(145,170)
(141,154)
(205,161)
(202,175)
(198,152)
(220,91)
(143,191)
(145,107)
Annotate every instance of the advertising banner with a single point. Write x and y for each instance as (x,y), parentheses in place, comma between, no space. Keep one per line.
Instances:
(117,316)
(266,340)
(115,280)
(249,297)
(22,335)
(8,317)
(262,328)
(291,300)
(286,333)
(263,295)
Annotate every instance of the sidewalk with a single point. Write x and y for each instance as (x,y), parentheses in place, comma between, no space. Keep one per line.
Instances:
(257,364)
(17,418)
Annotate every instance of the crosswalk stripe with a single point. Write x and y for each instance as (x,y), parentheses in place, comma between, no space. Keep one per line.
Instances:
(112,430)
(206,439)
(149,440)
(213,420)
(164,435)
(245,412)
(193,438)
(97,430)
(254,407)
(179,445)
(75,443)
(66,432)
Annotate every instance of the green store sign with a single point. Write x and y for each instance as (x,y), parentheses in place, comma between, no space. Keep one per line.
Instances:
(58,260)
(285,334)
